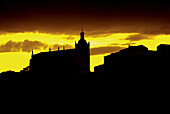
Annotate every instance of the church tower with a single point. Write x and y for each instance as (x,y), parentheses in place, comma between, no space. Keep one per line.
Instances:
(82,45)
(83,50)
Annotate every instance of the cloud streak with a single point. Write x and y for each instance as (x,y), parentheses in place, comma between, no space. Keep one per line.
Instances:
(137,37)
(103,50)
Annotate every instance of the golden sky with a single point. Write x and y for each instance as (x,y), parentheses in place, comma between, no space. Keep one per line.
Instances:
(15,48)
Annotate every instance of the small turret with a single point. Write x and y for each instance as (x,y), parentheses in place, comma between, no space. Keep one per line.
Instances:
(89,43)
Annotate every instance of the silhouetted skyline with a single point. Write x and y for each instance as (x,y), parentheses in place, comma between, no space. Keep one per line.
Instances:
(74,64)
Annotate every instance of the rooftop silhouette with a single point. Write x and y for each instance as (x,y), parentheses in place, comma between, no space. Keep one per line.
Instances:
(73,61)
(136,60)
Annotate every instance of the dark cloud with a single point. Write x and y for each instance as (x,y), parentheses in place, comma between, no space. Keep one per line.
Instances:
(27,46)
(118,44)
(156,29)
(137,37)
(103,50)
(114,44)
(144,27)
(69,16)
(11,46)
(128,44)
(99,33)
(98,17)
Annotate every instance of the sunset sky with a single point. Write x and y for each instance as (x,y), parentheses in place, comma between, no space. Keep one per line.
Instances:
(109,25)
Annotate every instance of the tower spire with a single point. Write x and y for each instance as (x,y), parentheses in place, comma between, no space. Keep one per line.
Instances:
(82,35)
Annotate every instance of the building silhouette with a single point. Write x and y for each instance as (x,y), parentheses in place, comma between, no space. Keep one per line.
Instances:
(137,60)
(73,61)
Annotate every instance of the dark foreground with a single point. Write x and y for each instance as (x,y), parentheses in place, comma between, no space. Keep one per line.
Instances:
(135,80)
(104,93)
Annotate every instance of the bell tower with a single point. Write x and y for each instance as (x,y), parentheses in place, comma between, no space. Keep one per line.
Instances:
(83,50)
(82,45)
